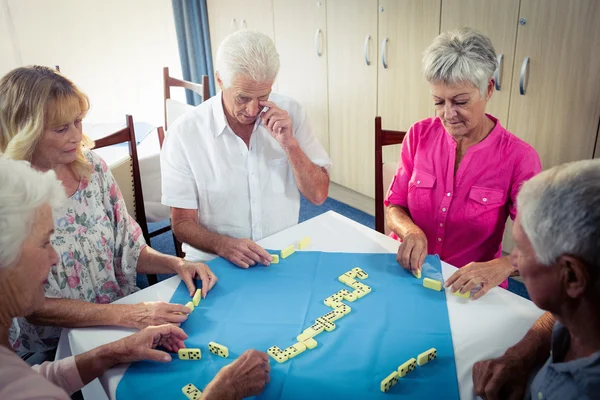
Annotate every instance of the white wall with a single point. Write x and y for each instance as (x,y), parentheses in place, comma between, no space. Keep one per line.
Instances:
(114,50)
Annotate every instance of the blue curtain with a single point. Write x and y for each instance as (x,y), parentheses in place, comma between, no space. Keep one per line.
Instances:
(193,39)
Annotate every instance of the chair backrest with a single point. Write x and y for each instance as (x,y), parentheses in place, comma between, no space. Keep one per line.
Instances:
(127,174)
(173,108)
(384,172)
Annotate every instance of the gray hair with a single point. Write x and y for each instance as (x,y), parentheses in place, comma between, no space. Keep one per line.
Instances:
(247,53)
(559,211)
(22,191)
(465,55)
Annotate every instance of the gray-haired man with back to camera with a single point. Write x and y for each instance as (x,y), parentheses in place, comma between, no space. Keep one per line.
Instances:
(234,167)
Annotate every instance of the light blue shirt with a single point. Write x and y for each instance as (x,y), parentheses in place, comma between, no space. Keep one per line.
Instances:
(578,379)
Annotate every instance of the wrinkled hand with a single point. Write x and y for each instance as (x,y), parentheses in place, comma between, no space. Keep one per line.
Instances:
(485,274)
(152,313)
(245,377)
(142,345)
(188,270)
(243,252)
(505,377)
(412,251)
(277,122)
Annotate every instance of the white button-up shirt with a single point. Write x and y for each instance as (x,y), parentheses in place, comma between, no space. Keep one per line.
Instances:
(239,191)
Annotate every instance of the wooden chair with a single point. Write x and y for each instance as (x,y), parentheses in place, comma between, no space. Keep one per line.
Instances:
(173,110)
(127,176)
(384,172)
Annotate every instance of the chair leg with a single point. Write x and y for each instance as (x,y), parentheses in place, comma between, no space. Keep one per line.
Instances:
(178,249)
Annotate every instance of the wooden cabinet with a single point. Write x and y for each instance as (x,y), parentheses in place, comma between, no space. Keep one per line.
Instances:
(300,28)
(228,16)
(406,28)
(352,82)
(555,103)
(497,19)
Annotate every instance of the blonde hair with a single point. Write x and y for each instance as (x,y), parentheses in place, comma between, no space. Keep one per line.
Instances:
(33,99)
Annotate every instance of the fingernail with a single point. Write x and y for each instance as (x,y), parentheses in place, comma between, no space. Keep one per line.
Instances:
(167,357)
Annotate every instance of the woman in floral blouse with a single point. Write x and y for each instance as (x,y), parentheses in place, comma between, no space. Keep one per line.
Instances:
(100,246)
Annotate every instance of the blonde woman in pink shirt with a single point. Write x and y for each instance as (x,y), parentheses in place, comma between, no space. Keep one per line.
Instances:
(26,256)
(459,173)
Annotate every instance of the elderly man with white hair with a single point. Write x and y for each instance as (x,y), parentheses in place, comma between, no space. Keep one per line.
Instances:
(459,173)
(234,167)
(26,257)
(557,237)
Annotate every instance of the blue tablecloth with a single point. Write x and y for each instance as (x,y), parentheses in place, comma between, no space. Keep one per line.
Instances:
(265,306)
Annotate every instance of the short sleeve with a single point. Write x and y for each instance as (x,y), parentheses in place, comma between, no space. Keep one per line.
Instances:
(308,141)
(398,192)
(525,169)
(178,182)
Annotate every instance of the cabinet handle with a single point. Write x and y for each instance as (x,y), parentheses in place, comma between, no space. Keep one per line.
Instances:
(384,53)
(243,24)
(318,41)
(524,81)
(367,41)
(499,71)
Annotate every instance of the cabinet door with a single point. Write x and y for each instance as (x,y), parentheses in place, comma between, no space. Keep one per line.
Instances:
(558,110)
(300,36)
(352,82)
(228,16)
(406,29)
(497,19)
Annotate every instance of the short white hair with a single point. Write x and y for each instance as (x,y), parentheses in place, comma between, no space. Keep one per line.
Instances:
(465,55)
(22,191)
(247,53)
(559,211)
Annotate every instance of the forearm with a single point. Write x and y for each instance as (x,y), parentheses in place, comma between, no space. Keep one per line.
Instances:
(534,348)
(154,262)
(220,389)
(95,362)
(312,180)
(400,222)
(68,313)
(194,234)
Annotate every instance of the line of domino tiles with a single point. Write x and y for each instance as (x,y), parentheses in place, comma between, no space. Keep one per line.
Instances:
(408,366)
(289,250)
(326,322)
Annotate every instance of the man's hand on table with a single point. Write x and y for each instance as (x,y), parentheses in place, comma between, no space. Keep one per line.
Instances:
(245,377)
(412,251)
(188,271)
(505,377)
(243,252)
(487,275)
(152,313)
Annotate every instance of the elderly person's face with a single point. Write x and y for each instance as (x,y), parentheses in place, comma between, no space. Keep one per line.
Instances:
(59,144)
(543,282)
(28,276)
(241,99)
(460,106)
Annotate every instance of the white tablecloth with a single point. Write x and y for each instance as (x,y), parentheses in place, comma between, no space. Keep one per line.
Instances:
(481,329)
(148,157)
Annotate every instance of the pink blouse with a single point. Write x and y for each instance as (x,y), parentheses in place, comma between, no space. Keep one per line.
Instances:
(50,380)
(463,215)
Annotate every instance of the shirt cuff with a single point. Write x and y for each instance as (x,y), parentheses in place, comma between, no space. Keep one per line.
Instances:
(179,203)
(62,373)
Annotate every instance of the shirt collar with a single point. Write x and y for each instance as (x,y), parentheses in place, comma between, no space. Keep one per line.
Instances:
(220,120)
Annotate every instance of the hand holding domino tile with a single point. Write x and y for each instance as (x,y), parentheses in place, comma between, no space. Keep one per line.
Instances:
(486,275)
(188,271)
(242,252)
(412,251)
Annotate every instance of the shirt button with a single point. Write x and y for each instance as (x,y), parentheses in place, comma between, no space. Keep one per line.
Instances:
(484,199)
(439,239)
(444,209)
(418,182)
(448,194)
(540,395)
(441,224)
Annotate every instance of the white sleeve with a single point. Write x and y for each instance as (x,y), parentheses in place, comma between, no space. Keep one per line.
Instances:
(309,143)
(178,182)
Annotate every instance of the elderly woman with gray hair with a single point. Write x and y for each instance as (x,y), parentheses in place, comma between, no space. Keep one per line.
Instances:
(26,257)
(557,252)
(459,173)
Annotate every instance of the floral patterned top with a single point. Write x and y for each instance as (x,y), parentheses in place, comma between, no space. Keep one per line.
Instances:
(98,244)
